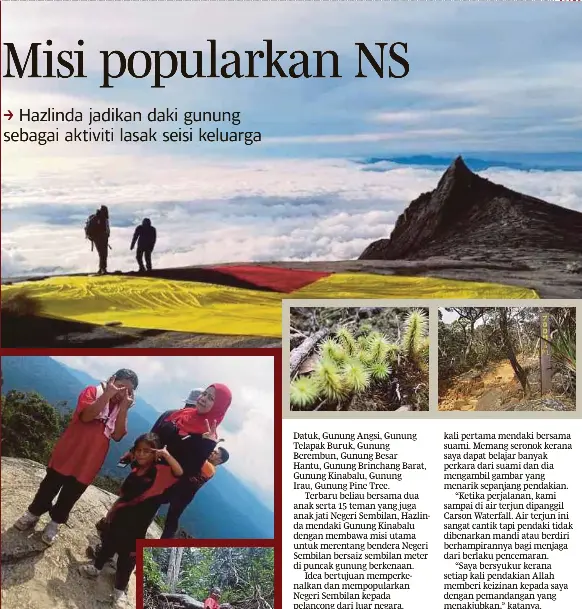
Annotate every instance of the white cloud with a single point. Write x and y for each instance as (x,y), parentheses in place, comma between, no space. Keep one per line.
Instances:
(224,212)
(394,136)
(412,116)
(248,426)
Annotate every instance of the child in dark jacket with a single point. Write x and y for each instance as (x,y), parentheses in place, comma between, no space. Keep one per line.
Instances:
(131,515)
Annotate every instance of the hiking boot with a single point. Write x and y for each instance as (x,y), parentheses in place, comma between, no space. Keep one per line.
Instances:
(50,533)
(26,521)
(90,571)
(120,599)
(92,553)
(101,525)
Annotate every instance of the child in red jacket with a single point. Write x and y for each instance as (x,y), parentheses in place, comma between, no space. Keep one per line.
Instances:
(213,600)
(128,520)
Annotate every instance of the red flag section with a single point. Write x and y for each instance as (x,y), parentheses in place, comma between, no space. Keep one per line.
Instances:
(273,277)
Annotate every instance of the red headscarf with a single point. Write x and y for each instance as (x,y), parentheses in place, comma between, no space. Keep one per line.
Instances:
(190,421)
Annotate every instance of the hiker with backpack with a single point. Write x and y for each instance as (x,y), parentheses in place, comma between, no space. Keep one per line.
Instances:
(145,236)
(97,231)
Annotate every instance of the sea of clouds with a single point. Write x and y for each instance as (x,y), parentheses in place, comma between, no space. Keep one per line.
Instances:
(214,212)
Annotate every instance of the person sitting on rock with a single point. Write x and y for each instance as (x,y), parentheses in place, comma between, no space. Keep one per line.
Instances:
(100,416)
(128,520)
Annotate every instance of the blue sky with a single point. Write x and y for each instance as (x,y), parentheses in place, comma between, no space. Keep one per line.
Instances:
(483,76)
(493,80)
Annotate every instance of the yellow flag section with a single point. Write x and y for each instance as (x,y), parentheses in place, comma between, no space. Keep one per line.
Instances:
(185,306)
(362,285)
(140,302)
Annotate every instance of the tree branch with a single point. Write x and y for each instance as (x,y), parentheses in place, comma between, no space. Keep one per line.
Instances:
(301,353)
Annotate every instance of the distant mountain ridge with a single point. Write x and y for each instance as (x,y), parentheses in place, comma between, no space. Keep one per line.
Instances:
(224,508)
(528,162)
(468,217)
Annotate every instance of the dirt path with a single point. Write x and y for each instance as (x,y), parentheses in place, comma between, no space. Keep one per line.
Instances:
(497,389)
(493,389)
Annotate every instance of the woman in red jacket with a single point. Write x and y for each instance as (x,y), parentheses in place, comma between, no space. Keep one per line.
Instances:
(100,416)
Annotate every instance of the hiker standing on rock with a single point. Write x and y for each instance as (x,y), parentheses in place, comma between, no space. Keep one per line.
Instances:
(145,236)
(100,416)
(97,231)
(191,435)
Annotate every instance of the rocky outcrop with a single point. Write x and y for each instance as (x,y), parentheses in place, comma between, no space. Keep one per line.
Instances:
(467,216)
(37,577)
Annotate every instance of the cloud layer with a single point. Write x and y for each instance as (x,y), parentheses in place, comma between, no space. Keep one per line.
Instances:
(222,212)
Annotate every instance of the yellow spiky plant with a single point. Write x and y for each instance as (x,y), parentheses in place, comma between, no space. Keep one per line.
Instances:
(329,380)
(414,340)
(355,375)
(303,392)
(333,350)
(348,365)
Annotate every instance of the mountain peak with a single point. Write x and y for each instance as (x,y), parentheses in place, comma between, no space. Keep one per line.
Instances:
(456,174)
(459,167)
(459,163)
(471,216)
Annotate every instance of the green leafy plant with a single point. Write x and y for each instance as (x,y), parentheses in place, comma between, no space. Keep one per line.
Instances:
(153,577)
(563,343)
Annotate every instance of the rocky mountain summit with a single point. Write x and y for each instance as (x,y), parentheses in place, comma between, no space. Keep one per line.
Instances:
(467,217)
(35,576)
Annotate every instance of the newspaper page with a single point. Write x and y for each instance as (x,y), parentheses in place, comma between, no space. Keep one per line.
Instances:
(290,301)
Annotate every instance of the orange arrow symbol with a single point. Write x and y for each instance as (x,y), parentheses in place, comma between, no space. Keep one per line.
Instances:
(9,114)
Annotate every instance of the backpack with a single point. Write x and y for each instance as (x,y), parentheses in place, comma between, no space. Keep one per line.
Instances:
(92,227)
